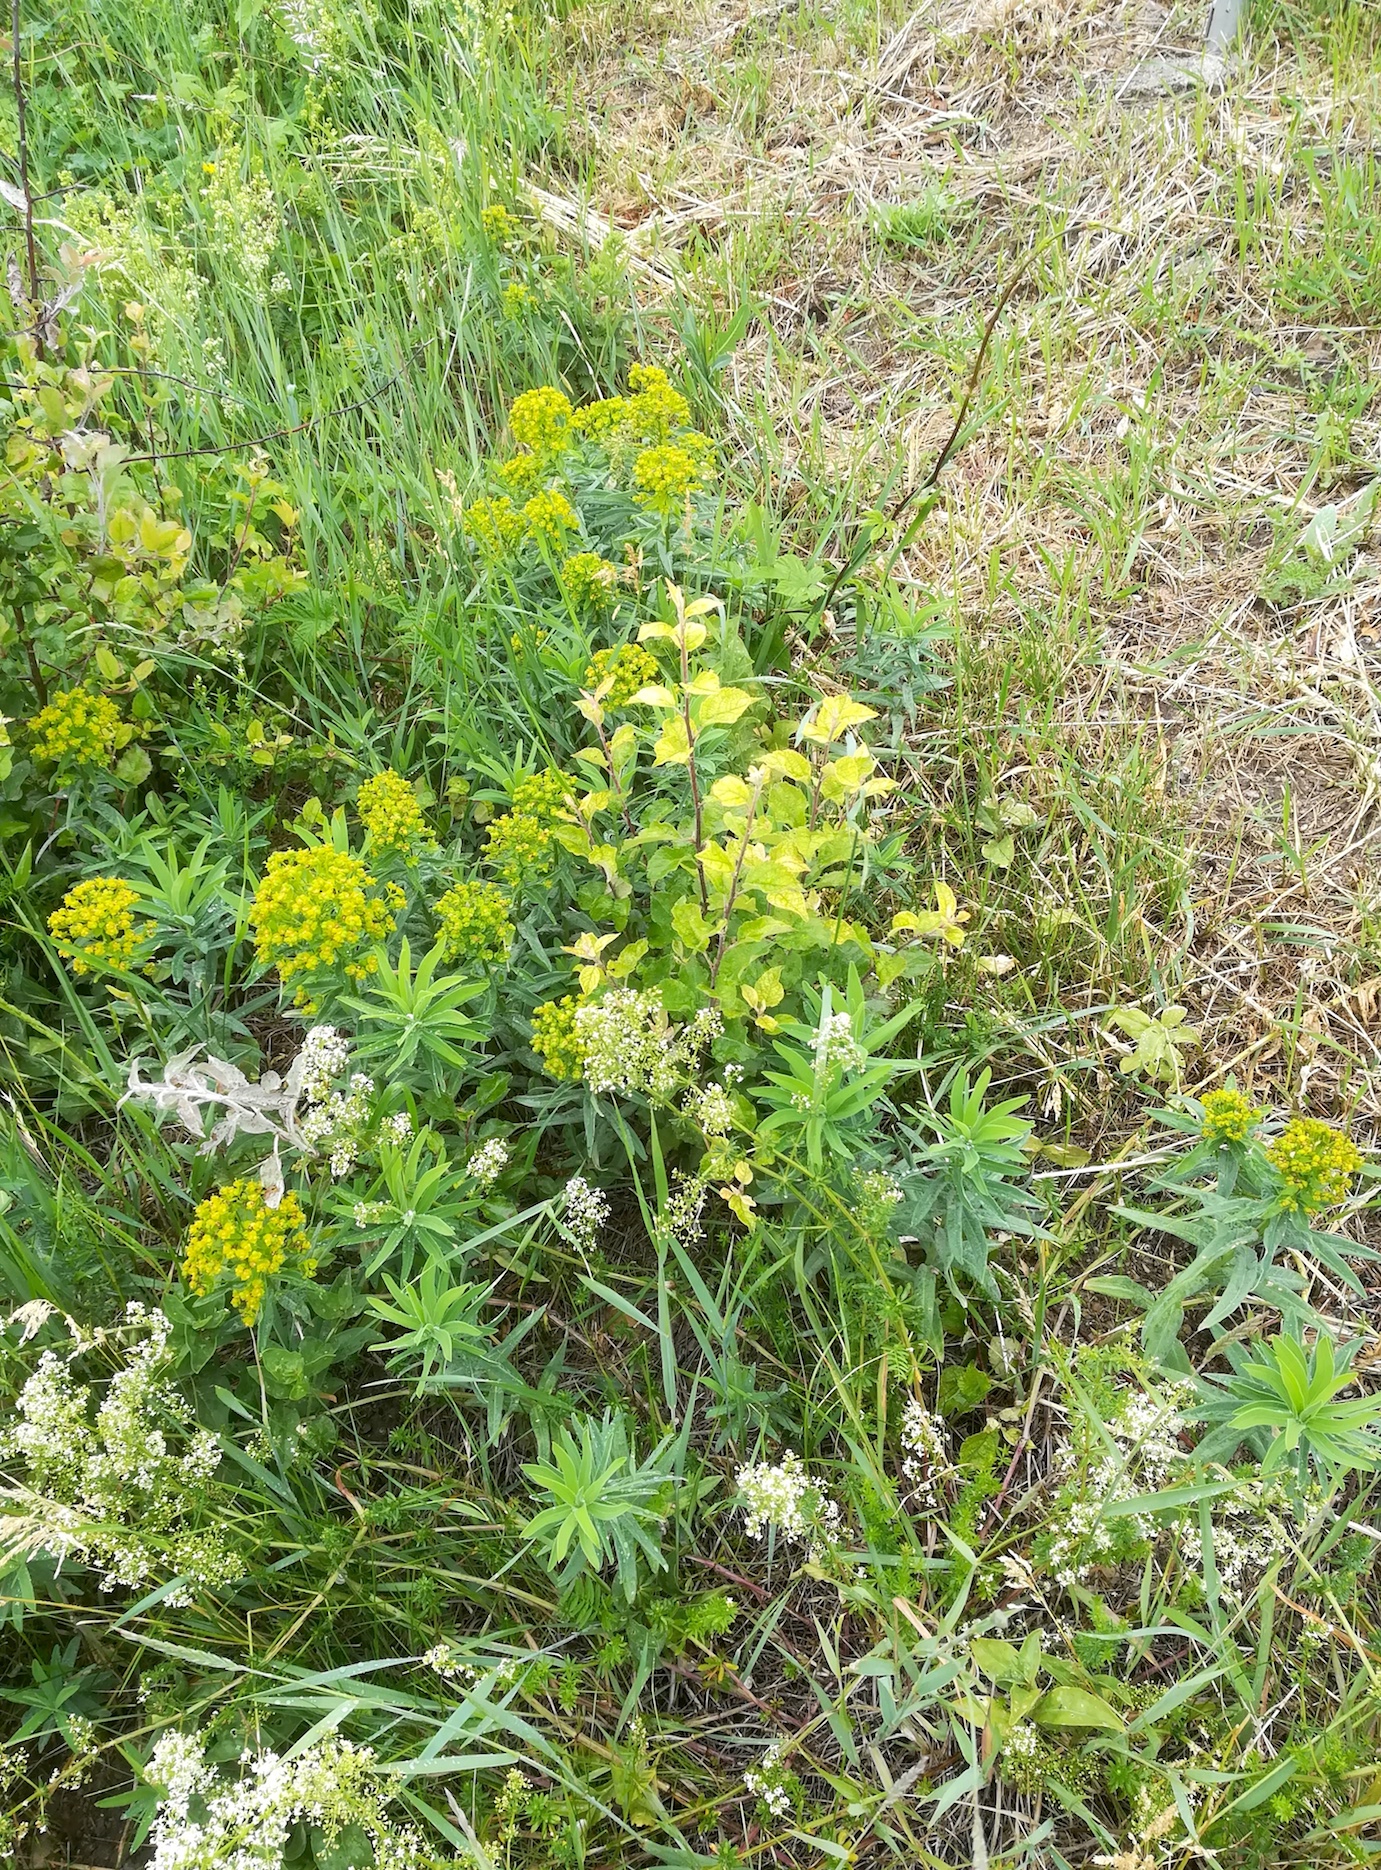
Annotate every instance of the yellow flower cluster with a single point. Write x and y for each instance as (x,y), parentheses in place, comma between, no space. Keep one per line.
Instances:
(235,1232)
(315,907)
(518,845)
(652,413)
(523,473)
(655,408)
(631,666)
(602,422)
(589,579)
(541,421)
(94,925)
(556,1038)
(1228,1117)
(474,923)
(77,728)
(494,524)
(663,477)
(498,224)
(542,794)
(389,811)
(550,514)
(517,299)
(1315,1162)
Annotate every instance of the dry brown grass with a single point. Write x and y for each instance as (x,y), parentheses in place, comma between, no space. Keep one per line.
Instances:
(1165,417)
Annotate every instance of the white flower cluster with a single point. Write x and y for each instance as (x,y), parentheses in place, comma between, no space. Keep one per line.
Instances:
(712,1107)
(488,1162)
(768,1781)
(586,1211)
(242,220)
(451,1663)
(1084,1540)
(1022,1742)
(681,1217)
(630,1046)
(925,1457)
(209,1821)
(1250,1533)
(836,1048)
(108,1489)
(324,1055)
(878,1193)
(340,1124)
(1146,1456)
(785,1500)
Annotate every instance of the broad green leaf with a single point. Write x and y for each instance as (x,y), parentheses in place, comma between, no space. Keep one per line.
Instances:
(1076,1707)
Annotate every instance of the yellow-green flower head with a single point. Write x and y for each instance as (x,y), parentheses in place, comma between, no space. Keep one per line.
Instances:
(602,421)
(474,923)
(236,1235)
(523,474)
(498,224)
(589,579)
(518,846)
(77,728)
(494,524)
(94,925)
(655,408)
(541,420)
(517,299)
(389,811)
(631,667)
(1228,1117)
(549,515)
(556,1039)
(316,908)
(543,794)
(663,477)
(1315,1162)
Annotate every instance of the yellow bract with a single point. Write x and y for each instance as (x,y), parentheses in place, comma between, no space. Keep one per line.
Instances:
(549,515)
(1315,1162)
(945,920)
(556,1038)
(1228,1117)
(475,923)
(541,420)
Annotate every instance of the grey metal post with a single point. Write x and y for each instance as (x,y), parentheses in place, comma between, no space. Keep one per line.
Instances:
(1223,23)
